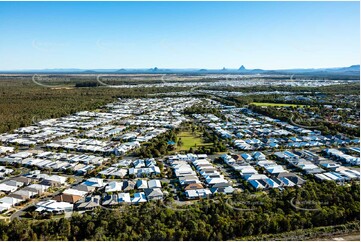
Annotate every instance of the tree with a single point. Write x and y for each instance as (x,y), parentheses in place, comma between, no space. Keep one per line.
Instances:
(70,180)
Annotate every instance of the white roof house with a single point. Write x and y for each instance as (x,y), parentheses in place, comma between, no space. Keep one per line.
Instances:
(256,184)
(21,155)
(258,155)
(124,198)
(94,182)
(75,192)
(247,171)
(7,188)
(39,187)
(6,149)
(188,179)
(287,182)
(183,170)
(56,178)
(114,186)
(257,177)
(10,200)
(246,157)
(322,177)
(154,184)
(198,193)
(54,206)
(272,183)
(142,184)
(332,176)
(202,156)
(275,169)
(25,193)
(4,206)
(139,197)
(265,163)
(357,173)
(349,174)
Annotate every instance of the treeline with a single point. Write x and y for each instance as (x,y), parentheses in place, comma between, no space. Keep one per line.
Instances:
(203,109)
(278,98)
(158,146)
(352,88)
(209,150)
(216,219)
(87,84)
(327,128)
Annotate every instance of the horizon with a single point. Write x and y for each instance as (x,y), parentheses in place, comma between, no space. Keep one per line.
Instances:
(175,68)
(179,35)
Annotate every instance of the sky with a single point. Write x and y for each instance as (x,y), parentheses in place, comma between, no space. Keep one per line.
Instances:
(211,35)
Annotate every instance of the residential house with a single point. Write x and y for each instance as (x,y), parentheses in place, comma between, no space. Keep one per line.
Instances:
(193,186)
(11,200)
(110,200)
(124,198)
(128,185)
(153,194)
(69,198)
(139,197)
(53,206)
(224,188)
(89,203)
(258,156)
(114,187)
(292,177)
(94,182)
(84,188)
(154,184)
(141,184)
(40,189)
(198,193)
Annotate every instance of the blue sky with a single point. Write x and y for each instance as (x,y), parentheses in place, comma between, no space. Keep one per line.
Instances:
(268,35)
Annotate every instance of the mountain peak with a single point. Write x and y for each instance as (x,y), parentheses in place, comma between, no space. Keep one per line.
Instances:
(242,68)
(154,69)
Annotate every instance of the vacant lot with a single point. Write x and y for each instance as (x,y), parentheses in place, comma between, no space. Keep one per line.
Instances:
(191,141)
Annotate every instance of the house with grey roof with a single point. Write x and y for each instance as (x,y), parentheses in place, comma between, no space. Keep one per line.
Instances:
(153,194)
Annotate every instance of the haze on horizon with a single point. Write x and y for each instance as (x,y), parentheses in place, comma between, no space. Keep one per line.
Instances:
(213,35)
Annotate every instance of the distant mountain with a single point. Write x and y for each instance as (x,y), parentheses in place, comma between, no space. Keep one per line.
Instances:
(355,67)
(121,70)
(350,68)
(350,72)
(89,71)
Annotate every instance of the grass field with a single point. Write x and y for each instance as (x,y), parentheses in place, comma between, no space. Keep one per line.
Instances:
(191,141)
(277,104)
